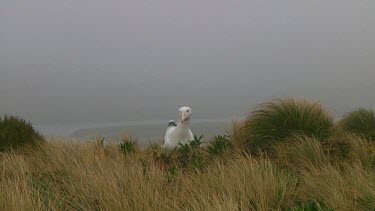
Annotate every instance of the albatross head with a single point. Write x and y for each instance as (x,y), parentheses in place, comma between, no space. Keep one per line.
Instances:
(185,113)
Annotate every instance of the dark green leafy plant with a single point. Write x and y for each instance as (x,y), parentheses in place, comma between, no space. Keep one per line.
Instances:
(197,142)
(193,144)
(184,148)
(127,145)
(276,120)
(360,122)
(219,145)
(190,154)
(16,132)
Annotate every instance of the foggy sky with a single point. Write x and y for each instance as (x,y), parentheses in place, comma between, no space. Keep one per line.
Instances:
(116,60)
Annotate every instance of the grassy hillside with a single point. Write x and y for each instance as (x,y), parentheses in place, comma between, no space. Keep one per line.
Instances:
(86,176)
(294,171)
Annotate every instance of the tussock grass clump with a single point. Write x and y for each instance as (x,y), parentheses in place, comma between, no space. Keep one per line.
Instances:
(243,183)
(361,152)
(276,120)
(236,134)
(16,132)
(81,176)
(301,153)
(360,122)
(351,148)
(348,187)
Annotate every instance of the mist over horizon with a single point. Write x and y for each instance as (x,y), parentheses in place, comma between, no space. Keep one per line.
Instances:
(113,61)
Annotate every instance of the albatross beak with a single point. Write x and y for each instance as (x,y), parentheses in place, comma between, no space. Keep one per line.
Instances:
(183,118)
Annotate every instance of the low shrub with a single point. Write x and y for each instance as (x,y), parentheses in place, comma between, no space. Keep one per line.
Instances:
(16,132)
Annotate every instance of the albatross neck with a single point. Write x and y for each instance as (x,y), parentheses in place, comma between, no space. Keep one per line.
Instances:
(183,124)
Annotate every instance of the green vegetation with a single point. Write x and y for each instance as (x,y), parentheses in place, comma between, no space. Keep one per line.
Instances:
(127,145)
(193,145)
(16,132)
(219,145)
(276,120)
(190,155)
(329,168)
(361,122)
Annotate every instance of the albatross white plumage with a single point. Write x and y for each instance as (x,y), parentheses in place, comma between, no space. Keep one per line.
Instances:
(179,132)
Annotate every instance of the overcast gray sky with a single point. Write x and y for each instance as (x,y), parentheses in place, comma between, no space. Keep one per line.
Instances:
(116,60)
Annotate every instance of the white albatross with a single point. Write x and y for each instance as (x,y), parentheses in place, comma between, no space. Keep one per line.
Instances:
(180,132)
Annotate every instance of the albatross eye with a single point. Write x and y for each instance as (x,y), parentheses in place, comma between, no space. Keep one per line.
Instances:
(187,110)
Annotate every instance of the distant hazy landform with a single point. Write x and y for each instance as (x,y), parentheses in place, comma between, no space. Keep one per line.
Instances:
(143,130)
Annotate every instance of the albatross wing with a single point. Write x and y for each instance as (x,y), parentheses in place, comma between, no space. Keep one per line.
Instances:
(171,123)
(167,139)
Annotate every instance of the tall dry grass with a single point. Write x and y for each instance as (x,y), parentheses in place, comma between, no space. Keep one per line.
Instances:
(241,184)
(66,175)
(16,193)
(301,153)
(345,185)
(85,176)
(349,187)
(361,152)
(237,134)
